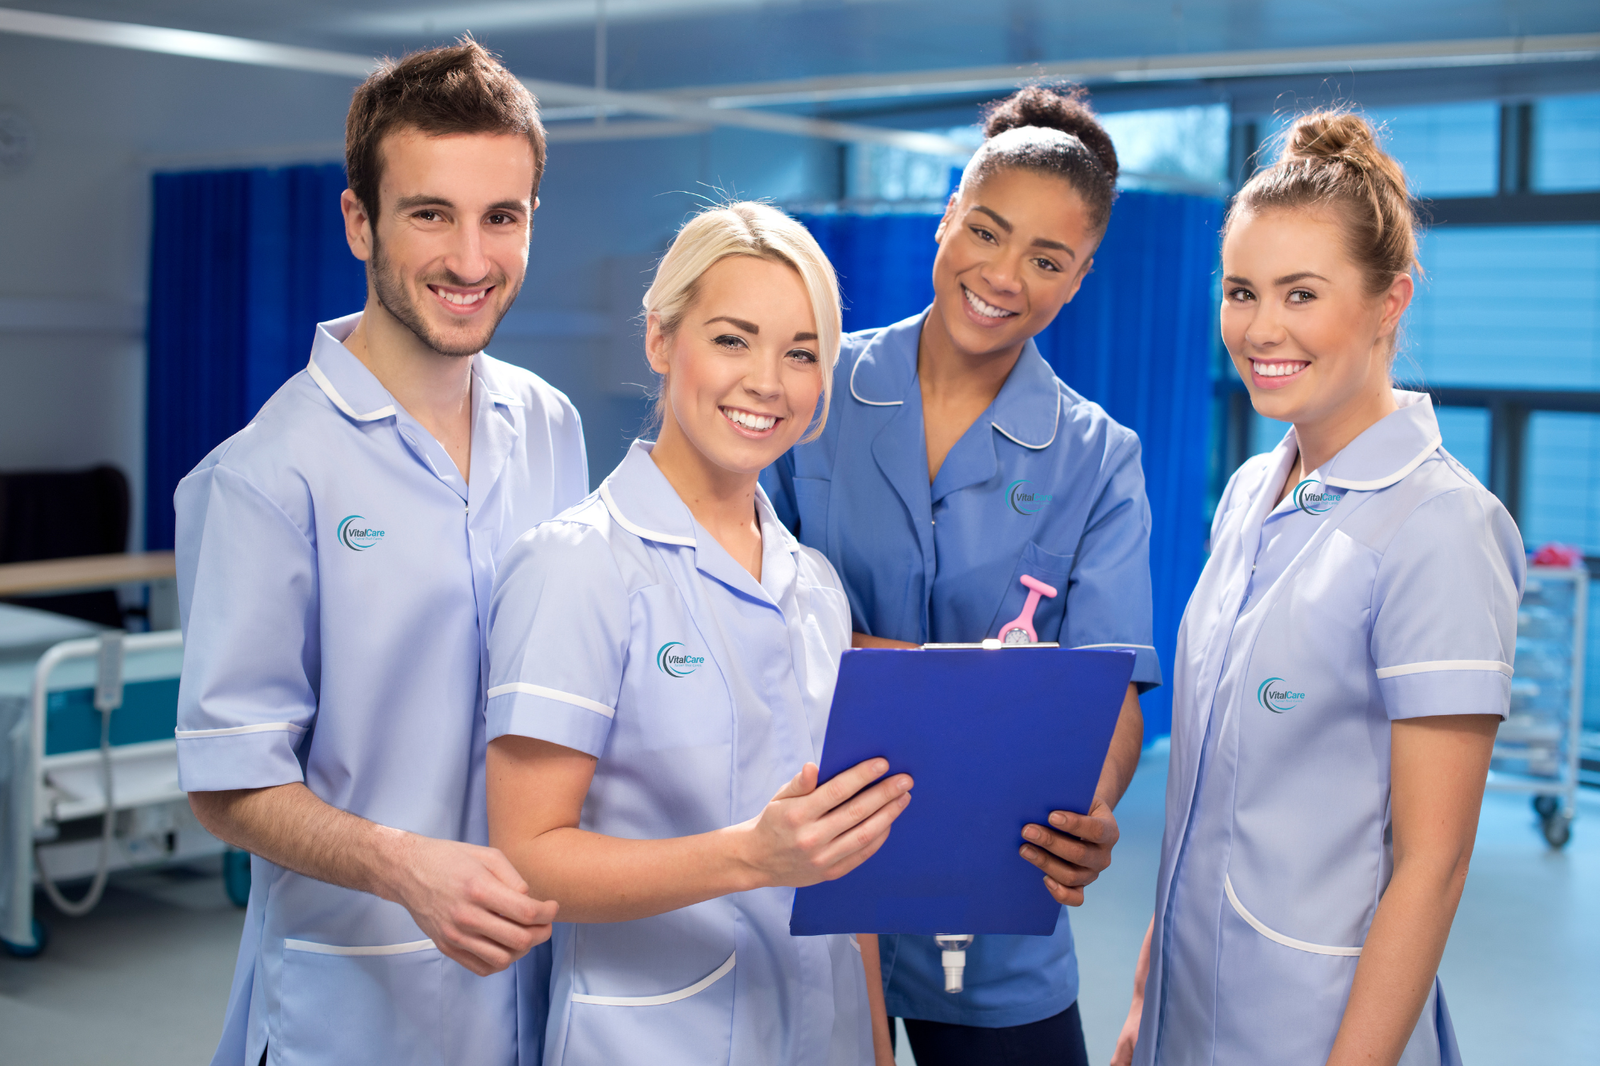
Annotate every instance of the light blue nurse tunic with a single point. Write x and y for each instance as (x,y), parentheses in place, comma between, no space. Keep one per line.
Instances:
(334,571)
(1044,483)
(1384,587)
(624,630)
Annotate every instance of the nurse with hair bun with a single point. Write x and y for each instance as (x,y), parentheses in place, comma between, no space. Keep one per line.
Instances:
(955,465)
(1343,663)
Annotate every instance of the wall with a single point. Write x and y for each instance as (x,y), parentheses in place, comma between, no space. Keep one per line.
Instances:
(76,241)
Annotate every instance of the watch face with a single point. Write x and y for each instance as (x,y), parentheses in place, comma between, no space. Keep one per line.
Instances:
(16,140)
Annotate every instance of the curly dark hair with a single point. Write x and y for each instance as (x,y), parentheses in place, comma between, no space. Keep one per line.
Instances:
(1051,130)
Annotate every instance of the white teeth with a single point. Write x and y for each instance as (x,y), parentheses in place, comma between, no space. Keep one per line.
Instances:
(758,423)
(462,299)
(1277,370)
(985,309)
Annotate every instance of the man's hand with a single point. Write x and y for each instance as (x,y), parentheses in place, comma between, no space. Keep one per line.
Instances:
(470,901)
(467,899)
(1074,852)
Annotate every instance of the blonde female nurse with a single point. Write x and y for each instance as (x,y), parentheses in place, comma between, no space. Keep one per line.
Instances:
(1342,666)
(662,657)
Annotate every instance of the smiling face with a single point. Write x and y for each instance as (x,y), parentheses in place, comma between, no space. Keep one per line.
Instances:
(1012,251)
(1311,343)
(449,249)
(742,370)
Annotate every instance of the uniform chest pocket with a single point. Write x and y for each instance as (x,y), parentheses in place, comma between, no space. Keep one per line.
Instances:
(1050,614)
(673,690)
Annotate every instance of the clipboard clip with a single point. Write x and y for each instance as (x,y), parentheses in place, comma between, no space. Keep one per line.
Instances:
(1020,629)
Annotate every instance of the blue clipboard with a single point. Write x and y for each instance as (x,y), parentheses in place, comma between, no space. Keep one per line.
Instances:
(995,739)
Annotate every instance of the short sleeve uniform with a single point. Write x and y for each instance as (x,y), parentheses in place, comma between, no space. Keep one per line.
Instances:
(1045,484)
(1384,587)
(334,574)
(622,629)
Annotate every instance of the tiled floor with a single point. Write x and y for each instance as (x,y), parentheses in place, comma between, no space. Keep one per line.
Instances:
(143,979)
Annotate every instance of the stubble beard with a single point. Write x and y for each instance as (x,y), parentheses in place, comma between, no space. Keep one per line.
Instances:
(396,300)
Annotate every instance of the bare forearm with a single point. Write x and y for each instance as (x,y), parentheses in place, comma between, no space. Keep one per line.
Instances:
(600,878)
(1398,963)
(290,826)
(882,1043)
(1127,743)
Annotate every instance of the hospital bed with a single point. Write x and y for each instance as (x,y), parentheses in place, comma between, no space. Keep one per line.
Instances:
(81,707)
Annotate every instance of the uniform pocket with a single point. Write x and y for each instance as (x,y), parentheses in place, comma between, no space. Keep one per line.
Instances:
(1050,615)
(344,1005)
(690,1026)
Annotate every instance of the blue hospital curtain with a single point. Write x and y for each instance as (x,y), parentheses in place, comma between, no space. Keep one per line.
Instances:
(243,264)
(1137,340)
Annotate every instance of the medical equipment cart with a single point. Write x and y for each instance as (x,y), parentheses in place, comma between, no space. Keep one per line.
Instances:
(98,725)
(1538,747)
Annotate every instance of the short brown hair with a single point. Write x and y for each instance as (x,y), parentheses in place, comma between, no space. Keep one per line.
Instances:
(461,88)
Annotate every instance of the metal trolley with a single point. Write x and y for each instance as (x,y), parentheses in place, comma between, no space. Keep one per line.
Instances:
(1538,747)
(94,777)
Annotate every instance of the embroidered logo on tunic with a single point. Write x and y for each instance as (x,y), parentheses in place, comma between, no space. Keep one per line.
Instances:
(1309,497)
(356,535)
(677,663)
(1023,500)
(1276,695)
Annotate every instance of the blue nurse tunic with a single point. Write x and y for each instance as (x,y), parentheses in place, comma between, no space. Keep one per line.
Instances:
(1384,587)
(334,571)
(1043,483)
(624,630)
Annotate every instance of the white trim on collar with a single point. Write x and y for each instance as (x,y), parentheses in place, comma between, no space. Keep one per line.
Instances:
(638,530)
(862,399)
(339,401)
(1385,482)
(1054,429)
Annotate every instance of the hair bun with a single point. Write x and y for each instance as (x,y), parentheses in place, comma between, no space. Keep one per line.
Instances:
(1053,108)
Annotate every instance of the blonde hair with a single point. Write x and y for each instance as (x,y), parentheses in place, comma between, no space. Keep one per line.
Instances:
(758,231)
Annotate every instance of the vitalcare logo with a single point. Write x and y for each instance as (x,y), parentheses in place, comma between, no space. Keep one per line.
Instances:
(355,534)
(1276,695)
(1309,497)
(675,661)
(1023,500)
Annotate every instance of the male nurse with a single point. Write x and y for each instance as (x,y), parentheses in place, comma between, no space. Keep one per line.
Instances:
(335,559)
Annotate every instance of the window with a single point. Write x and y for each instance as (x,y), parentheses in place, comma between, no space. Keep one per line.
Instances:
(1447,149)
(1513,307)
(1189,144)
(1566,144)
(1466,436)
(1562,468)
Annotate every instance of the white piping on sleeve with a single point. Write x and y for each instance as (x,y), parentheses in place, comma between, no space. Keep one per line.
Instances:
(376,949)
(670,997)
(339,401)
(239,730)
(1445,664)
(638,530)
(553,694)
(1274,935)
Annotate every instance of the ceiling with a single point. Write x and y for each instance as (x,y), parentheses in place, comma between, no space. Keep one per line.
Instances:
(690,47)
